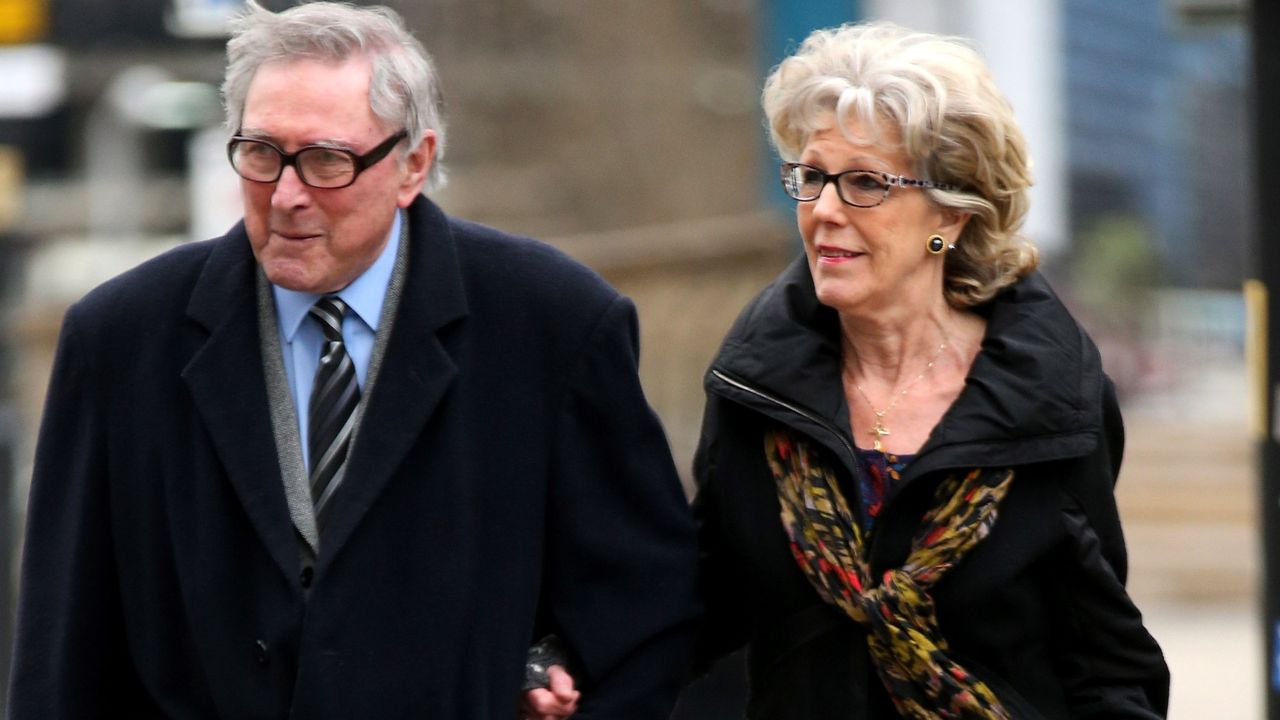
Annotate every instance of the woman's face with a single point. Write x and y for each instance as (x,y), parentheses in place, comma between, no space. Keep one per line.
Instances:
(871,261)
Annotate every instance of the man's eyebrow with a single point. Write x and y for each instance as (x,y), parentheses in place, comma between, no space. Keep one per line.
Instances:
(256,134)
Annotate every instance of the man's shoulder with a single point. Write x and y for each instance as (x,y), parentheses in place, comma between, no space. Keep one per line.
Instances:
(481,241)
(160,282)
(520,264)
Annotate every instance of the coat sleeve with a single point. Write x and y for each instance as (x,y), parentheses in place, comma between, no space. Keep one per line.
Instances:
(70,657)
(723,629)
(1112,666)
(621,556)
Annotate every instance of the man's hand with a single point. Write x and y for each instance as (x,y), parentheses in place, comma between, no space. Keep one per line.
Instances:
(556,702)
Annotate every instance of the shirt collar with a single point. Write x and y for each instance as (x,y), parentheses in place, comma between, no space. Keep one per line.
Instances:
(364,295)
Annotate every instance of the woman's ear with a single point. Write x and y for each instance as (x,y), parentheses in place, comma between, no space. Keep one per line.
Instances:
(953,223)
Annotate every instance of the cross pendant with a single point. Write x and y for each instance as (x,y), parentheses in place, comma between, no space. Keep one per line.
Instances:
(879,430)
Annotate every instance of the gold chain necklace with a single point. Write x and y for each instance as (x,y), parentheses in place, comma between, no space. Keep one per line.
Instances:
(879,430)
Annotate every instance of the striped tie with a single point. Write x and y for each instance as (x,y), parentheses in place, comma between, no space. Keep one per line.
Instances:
(334,397)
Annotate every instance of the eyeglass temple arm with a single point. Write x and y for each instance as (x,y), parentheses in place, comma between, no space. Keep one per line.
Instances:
(909,182)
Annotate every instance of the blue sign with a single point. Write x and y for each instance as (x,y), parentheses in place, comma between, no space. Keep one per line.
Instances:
(1275,659)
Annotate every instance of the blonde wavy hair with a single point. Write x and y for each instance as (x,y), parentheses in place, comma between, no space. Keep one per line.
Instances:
(953,122)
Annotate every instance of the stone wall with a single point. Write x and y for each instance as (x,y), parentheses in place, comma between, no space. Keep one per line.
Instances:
(568,116)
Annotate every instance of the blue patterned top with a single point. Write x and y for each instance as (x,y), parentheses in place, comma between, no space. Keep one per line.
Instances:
(880,471)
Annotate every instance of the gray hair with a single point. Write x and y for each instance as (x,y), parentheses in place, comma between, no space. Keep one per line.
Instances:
(954,124)
(403,90)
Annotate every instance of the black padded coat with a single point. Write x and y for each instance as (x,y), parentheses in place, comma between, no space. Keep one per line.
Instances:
(1038,610)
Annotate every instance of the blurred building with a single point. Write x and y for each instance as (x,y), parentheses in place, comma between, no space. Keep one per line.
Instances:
(1157,119)
(1120,72)
(1215,78)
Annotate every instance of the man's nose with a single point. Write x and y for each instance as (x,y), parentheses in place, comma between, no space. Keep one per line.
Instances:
(290,190)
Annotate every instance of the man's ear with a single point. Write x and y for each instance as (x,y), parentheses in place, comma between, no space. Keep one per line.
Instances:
(416,168)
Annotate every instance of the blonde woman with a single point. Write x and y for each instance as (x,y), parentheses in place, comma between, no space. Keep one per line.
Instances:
(908,456)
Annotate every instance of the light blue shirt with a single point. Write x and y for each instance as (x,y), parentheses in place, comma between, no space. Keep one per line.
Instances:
(301,338)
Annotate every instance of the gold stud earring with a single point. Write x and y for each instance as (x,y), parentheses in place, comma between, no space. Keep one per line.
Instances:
(936,244)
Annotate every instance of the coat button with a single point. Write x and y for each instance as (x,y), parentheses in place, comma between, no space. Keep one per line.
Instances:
(261,653)
(306,575)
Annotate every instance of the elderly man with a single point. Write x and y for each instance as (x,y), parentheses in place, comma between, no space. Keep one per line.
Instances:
(351,459)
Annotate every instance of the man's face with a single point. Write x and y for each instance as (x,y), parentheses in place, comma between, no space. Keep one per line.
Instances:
(319,240)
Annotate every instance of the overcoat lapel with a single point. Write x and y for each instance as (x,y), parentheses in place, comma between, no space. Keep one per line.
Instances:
(225,377)
(415,374)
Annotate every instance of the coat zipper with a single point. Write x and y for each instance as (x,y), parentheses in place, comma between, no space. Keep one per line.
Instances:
(820,422)
(869,536)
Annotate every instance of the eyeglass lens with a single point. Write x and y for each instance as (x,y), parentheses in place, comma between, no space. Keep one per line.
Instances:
(859,188)
(317,166)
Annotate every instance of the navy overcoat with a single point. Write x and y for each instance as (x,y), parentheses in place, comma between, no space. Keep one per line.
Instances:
(508,479)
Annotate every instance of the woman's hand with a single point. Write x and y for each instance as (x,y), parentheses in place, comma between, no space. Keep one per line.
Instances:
(557,701)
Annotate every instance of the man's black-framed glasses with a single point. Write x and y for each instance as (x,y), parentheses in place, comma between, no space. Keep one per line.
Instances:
(859,188)
(320,166)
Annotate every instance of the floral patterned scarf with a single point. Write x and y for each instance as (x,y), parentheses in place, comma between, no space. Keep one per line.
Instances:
(906,645)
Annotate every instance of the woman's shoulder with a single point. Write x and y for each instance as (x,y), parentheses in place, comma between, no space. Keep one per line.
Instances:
(1036,389)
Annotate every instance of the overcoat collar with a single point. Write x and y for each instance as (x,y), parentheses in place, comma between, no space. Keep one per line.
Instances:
(1034,392)
(415,373)
(226,379)
(228,387)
